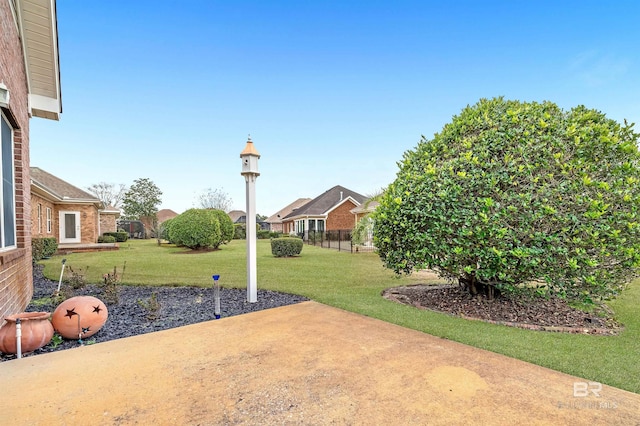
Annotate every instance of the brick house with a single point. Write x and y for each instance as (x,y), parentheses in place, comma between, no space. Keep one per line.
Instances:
(330,211)
(64,211)
(29,87)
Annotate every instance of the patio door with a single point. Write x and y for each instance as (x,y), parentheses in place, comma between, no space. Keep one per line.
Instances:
(69,227)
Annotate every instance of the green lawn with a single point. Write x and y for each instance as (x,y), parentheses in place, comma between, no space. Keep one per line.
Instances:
(354,282)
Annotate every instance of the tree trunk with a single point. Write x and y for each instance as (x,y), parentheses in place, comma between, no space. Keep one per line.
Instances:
(475,287)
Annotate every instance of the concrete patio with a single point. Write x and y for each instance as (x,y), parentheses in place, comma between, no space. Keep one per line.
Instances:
(300,364)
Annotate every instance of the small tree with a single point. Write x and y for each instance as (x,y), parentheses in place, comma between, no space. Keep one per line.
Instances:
(196,229)
(214,198)
(512,193)
(142,200)
(108,193)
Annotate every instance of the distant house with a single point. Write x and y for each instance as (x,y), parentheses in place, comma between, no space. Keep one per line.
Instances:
(363,210)
(275,220)
(237,216)
(108,219)
(240,217)
(29,87)
(165,214)
(64,211)
(327,212)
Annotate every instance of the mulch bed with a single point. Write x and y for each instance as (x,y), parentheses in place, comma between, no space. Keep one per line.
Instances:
(535,313)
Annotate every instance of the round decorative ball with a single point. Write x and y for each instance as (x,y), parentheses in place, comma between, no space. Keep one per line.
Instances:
(79,317)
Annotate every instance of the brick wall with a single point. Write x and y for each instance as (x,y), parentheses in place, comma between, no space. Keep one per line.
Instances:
(341,217)
(42,233)
(16,280)
(88,220)
(107,223)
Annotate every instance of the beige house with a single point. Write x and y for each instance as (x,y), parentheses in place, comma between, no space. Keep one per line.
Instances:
(29,87)
(66,212)
(275,220)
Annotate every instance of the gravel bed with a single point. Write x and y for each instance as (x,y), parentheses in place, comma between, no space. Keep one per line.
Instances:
(178,306)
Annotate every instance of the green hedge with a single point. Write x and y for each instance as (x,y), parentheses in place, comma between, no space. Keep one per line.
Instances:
(43,247)
(120,236)
(285,247)
(106,239)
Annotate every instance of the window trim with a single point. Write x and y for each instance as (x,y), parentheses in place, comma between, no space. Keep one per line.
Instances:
(4,120)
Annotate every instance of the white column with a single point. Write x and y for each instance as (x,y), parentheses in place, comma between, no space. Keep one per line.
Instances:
(252,269)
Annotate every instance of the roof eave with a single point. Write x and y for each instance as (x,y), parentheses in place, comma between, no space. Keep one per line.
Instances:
(39,34)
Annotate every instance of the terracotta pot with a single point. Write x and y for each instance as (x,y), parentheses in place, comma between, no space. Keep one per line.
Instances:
(36,328)
(79,317)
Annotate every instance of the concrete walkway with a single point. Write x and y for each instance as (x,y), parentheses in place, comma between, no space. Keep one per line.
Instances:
(300,364)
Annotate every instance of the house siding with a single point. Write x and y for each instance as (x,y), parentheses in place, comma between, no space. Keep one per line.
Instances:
(341,217)
(16,279)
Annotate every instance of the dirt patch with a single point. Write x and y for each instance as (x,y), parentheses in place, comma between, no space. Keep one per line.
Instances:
(533,313)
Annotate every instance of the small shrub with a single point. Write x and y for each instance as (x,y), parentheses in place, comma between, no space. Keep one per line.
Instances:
(76,278)
(110,287)
(120,236)
(106,239)
(43,247)
(264,234)
(239,231)
(152,306)
(285,247)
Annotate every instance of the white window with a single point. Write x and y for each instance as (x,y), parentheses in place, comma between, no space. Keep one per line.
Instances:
(39,218)
(7,189)
(48,220)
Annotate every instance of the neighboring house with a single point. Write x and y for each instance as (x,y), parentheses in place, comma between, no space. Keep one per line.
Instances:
(240,217)
(165,214)
(366,208)
(29,87)
(63,211)
(327,212)
(108,219)
(237,216)
(275,220)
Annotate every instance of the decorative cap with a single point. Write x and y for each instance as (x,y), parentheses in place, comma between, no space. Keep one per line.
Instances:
(250,149)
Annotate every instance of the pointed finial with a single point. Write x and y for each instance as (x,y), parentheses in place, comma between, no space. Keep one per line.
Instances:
(249,137)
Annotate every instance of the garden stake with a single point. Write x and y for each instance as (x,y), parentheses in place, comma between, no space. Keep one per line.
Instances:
(61,273)
(18,338)
(216,295)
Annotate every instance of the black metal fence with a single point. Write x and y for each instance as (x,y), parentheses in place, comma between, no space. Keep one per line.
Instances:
(339,239)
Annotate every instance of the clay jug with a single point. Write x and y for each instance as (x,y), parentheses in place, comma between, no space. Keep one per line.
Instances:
(36,328)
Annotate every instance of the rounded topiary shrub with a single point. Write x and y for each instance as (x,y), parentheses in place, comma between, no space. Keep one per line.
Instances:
(196,229)
(285,247)
(226,225)
(106,239)
(512,193)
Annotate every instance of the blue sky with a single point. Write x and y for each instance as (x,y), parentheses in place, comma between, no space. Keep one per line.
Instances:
(332,93)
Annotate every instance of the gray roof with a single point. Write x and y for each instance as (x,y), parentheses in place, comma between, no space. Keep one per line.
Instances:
(327,201)
(59,189)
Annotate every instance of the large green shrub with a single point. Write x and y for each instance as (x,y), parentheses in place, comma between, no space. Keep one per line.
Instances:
(164,229)
(285,247)
(196,229)
(226,225)
(511,193)
(43,247)
(106,238)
